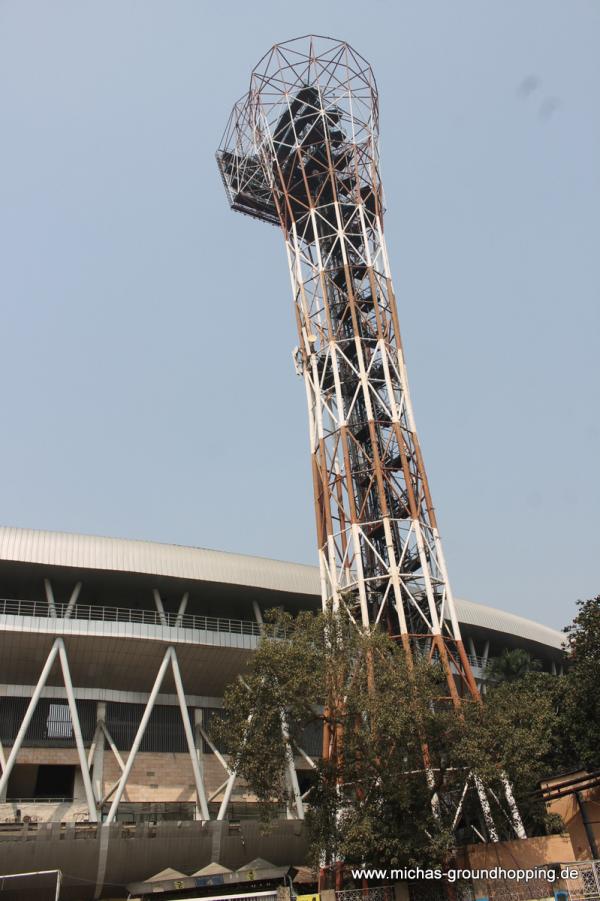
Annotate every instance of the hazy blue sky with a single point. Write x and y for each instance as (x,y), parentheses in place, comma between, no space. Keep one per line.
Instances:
(146,374)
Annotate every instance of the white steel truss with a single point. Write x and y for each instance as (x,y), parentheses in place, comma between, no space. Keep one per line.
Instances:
(58,649)
(92,763)
(301,150)
(170,657)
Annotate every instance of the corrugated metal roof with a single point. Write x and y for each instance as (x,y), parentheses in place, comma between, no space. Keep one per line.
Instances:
(127,555)
(199,564)
(500,621)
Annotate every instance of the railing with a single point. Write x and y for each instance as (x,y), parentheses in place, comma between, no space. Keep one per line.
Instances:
(375,893)
(586,885)
(94,613)
(480,662)
(50,799)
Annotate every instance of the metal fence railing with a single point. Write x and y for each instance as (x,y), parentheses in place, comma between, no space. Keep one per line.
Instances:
(95,613)
(479,662)
(50,799)
(585,886)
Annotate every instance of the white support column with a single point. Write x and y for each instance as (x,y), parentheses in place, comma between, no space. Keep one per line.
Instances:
(119,760)
(104,837)
(461,802)
(50,597)
(292,774)
(486,653)
(472,650)
(198,720)
(189,738)
(227,796)
(28,716)
(435,800)
(217,791)
(515,816)
(92,750)
(85,773)
(2,767)
(139,735)
(289,754)
(113,746)
(485,807)
(231,781)
(214,749)
(308,759)
(110,792)
(98,755)
(182,608)
(159,606)
(73,600)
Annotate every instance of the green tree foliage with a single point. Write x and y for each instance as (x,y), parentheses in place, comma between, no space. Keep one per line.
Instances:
(581,712)
(383,809)
(510,666)
(372,799)
(515,733)
(285,676)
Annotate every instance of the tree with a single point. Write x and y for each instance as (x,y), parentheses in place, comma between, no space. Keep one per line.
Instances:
(390,716)
(581,714)
(517,733)
(511,665)
(370,800)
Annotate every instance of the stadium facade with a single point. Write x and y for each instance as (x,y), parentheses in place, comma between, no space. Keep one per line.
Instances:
(105,643)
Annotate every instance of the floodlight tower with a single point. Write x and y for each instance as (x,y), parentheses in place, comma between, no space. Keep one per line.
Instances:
(301,151)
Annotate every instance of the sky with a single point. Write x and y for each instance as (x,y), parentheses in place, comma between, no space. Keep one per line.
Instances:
(146,331)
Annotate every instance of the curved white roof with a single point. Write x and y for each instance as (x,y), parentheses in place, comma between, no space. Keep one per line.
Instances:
(500,621)
(198,564)
(152,558)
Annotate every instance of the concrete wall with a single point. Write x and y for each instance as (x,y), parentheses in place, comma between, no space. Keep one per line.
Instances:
(167,777)
(519,854)
(160,778)
(75,812)
(532,852)
(48,812)
(568,809)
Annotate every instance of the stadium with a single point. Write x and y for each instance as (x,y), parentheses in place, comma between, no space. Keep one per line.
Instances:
(105,643)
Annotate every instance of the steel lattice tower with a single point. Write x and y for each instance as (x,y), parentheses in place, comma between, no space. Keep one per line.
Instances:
(301,151)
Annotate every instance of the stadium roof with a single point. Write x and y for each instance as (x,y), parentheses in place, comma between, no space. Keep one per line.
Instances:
(175,561)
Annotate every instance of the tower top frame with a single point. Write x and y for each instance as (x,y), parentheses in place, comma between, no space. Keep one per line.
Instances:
(294,83)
